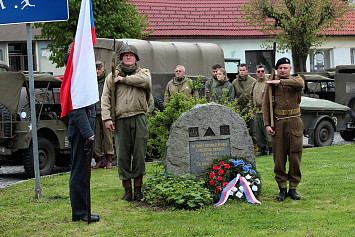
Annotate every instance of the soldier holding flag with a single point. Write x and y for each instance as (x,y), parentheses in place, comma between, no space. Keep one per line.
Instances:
(78,95)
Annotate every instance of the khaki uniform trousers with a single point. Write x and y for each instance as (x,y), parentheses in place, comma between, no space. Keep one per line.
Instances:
(287,141)
(102,132)
(132,140)
(262,138)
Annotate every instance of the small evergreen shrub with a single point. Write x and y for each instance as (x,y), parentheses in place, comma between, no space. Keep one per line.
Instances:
(182,192)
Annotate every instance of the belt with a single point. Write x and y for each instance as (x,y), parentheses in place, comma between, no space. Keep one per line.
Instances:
(285,112)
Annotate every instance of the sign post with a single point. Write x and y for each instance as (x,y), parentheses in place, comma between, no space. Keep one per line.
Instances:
(27,11)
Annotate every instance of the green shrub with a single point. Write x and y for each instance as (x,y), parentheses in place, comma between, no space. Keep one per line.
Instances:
(182,192)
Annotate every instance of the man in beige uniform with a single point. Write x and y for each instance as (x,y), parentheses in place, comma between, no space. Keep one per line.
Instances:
(287,133)
(256,100)
(133,87)
(179,84)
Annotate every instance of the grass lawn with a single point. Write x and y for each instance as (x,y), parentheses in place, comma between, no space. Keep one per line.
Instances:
(326,208)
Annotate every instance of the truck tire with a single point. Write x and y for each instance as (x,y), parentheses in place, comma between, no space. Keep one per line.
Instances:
(351,105)
(158,104)
(347,135)
(324,134)
(46,157)
(5,127)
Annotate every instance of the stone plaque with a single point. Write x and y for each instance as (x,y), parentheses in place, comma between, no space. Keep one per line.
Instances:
(202,153)
(203,133)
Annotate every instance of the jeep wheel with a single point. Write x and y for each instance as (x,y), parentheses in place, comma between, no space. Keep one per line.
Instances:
(324,134)
(5,126)
(347,135)
(46,157)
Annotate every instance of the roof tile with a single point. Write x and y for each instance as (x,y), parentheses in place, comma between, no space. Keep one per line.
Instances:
(203,18)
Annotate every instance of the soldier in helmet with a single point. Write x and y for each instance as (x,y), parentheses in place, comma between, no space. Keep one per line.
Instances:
(132,93)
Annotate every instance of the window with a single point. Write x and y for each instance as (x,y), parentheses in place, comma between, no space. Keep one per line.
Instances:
(256,57)
(320,60)
(1,56)
(352,56)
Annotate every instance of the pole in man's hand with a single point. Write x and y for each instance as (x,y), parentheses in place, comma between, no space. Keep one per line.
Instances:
(113,87)
(270,100)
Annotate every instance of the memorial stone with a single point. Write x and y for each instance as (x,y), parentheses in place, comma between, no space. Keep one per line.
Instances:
(204,133)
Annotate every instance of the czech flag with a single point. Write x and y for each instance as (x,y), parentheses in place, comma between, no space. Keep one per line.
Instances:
(79,87)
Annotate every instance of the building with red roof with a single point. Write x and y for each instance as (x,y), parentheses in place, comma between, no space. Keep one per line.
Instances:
(215,22)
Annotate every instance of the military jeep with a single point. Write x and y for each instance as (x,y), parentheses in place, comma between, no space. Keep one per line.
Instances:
(16,124)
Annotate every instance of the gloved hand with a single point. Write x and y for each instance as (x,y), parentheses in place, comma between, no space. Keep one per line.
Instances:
(88,145)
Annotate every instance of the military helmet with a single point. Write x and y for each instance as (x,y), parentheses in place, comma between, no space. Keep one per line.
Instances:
(129,49)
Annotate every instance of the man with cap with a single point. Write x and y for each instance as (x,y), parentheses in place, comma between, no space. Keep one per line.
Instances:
(179,84)
(103,136)
(132,93)
(287,133)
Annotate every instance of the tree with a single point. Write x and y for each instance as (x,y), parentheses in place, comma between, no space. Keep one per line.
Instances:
(113,19)
(297,25)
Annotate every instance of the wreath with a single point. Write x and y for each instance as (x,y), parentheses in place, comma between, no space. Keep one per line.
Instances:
(225,169)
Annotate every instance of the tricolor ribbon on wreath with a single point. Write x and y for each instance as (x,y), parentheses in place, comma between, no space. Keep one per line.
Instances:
(230,189)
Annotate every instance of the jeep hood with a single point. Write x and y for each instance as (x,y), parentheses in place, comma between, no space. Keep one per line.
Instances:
(10,89)
(308,103)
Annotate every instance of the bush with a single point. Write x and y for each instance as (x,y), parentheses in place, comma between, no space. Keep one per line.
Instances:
(182,192)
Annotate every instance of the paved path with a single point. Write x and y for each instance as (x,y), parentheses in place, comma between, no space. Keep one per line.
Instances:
(10,174)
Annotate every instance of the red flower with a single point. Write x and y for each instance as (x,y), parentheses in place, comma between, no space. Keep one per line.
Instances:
(212,182)
(225,184)
(218,190)
(220,172)
(227,166)
(215,167)
(219,178)
(212,175)
(221,163)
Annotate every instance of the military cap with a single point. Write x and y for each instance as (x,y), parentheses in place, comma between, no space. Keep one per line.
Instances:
(99,64)
(282,61)
(129,49)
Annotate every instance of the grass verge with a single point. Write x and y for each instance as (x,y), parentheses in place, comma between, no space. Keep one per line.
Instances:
(326,207)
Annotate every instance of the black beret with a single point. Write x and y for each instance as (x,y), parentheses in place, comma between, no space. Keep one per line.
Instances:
(282,61)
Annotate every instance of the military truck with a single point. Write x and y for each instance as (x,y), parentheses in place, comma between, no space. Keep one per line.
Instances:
(16,127)
(345,95)
(162,57)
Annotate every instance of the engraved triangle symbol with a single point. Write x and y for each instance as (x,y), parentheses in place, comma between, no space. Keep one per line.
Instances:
(209,132)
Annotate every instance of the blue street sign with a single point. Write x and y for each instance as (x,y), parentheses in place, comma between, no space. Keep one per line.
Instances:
(27,11)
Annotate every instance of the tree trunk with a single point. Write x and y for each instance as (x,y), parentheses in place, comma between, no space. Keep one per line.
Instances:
(299,61)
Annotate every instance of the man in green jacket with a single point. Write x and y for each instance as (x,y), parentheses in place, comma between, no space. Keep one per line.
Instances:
(133,87)
(103,136)
(179,84)
(242,87)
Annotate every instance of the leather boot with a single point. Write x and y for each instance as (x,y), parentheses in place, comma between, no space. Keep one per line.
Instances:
(262,152)
(255,148)
(99,163)
(270,150)
(282,195)
(127,184)
(109,162)
(138,182)
(293,194)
